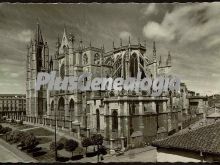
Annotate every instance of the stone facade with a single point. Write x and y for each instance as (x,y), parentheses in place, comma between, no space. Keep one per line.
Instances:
(118,116)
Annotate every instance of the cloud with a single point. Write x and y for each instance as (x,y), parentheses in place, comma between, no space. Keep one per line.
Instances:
(186,24)
(25,35)
(124,35)
(14,75)
(151,9)
(153,30)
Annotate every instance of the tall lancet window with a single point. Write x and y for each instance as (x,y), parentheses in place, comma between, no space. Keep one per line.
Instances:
(133,65)
(97,59)
(85,59)
(62,71)
(61,104)
(71,109)
(114,121)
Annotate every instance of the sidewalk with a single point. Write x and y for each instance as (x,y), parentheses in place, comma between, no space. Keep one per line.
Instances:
(16,153)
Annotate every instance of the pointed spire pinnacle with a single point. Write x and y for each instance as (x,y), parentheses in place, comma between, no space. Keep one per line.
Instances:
(58,41)
(139,41)
(145,44)
(113,45)
(65,39)
(129,40)
(160,61)
(38,35)
(120,42)
(154,52)
(169,56)
(80,44)
(90,43)
(65,28)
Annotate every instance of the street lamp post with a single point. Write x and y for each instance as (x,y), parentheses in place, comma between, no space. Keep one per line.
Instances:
(55,134)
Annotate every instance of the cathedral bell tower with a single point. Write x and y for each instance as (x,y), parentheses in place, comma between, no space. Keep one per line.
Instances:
(37,61)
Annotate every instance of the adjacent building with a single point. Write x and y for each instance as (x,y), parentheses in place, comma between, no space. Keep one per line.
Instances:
(12,104)
(196,145)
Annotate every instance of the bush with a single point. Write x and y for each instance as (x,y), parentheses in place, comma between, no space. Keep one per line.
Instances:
(71,145)
(4,130)
(13,121)
(29,141)
(20,122)
(18,136)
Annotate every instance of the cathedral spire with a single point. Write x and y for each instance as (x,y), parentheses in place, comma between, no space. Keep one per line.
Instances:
(129,41)
(155,52)
(38,35)
(58,41)
(160,61)
(65,39)
(169,59)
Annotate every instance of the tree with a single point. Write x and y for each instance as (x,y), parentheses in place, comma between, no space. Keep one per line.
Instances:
(18,136)
(97,139)
(30,141)
(86,142)
(71,145)
(4,130)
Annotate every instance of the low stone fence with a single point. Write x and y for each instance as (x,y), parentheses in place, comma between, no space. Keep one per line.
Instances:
(66,125)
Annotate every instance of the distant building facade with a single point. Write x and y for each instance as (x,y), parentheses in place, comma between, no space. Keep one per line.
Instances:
(118,116)
(12,104)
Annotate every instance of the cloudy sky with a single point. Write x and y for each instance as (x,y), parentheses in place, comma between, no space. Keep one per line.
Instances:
(191,32)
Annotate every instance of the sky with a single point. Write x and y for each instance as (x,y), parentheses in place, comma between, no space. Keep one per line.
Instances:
(191,32)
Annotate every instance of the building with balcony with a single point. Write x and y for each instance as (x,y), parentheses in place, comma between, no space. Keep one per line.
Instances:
(12,104)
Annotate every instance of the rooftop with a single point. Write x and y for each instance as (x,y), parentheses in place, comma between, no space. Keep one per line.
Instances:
(214,115)
(203,139)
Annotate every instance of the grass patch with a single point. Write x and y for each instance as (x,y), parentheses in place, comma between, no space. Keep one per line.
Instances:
(43,140)
(40,132)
